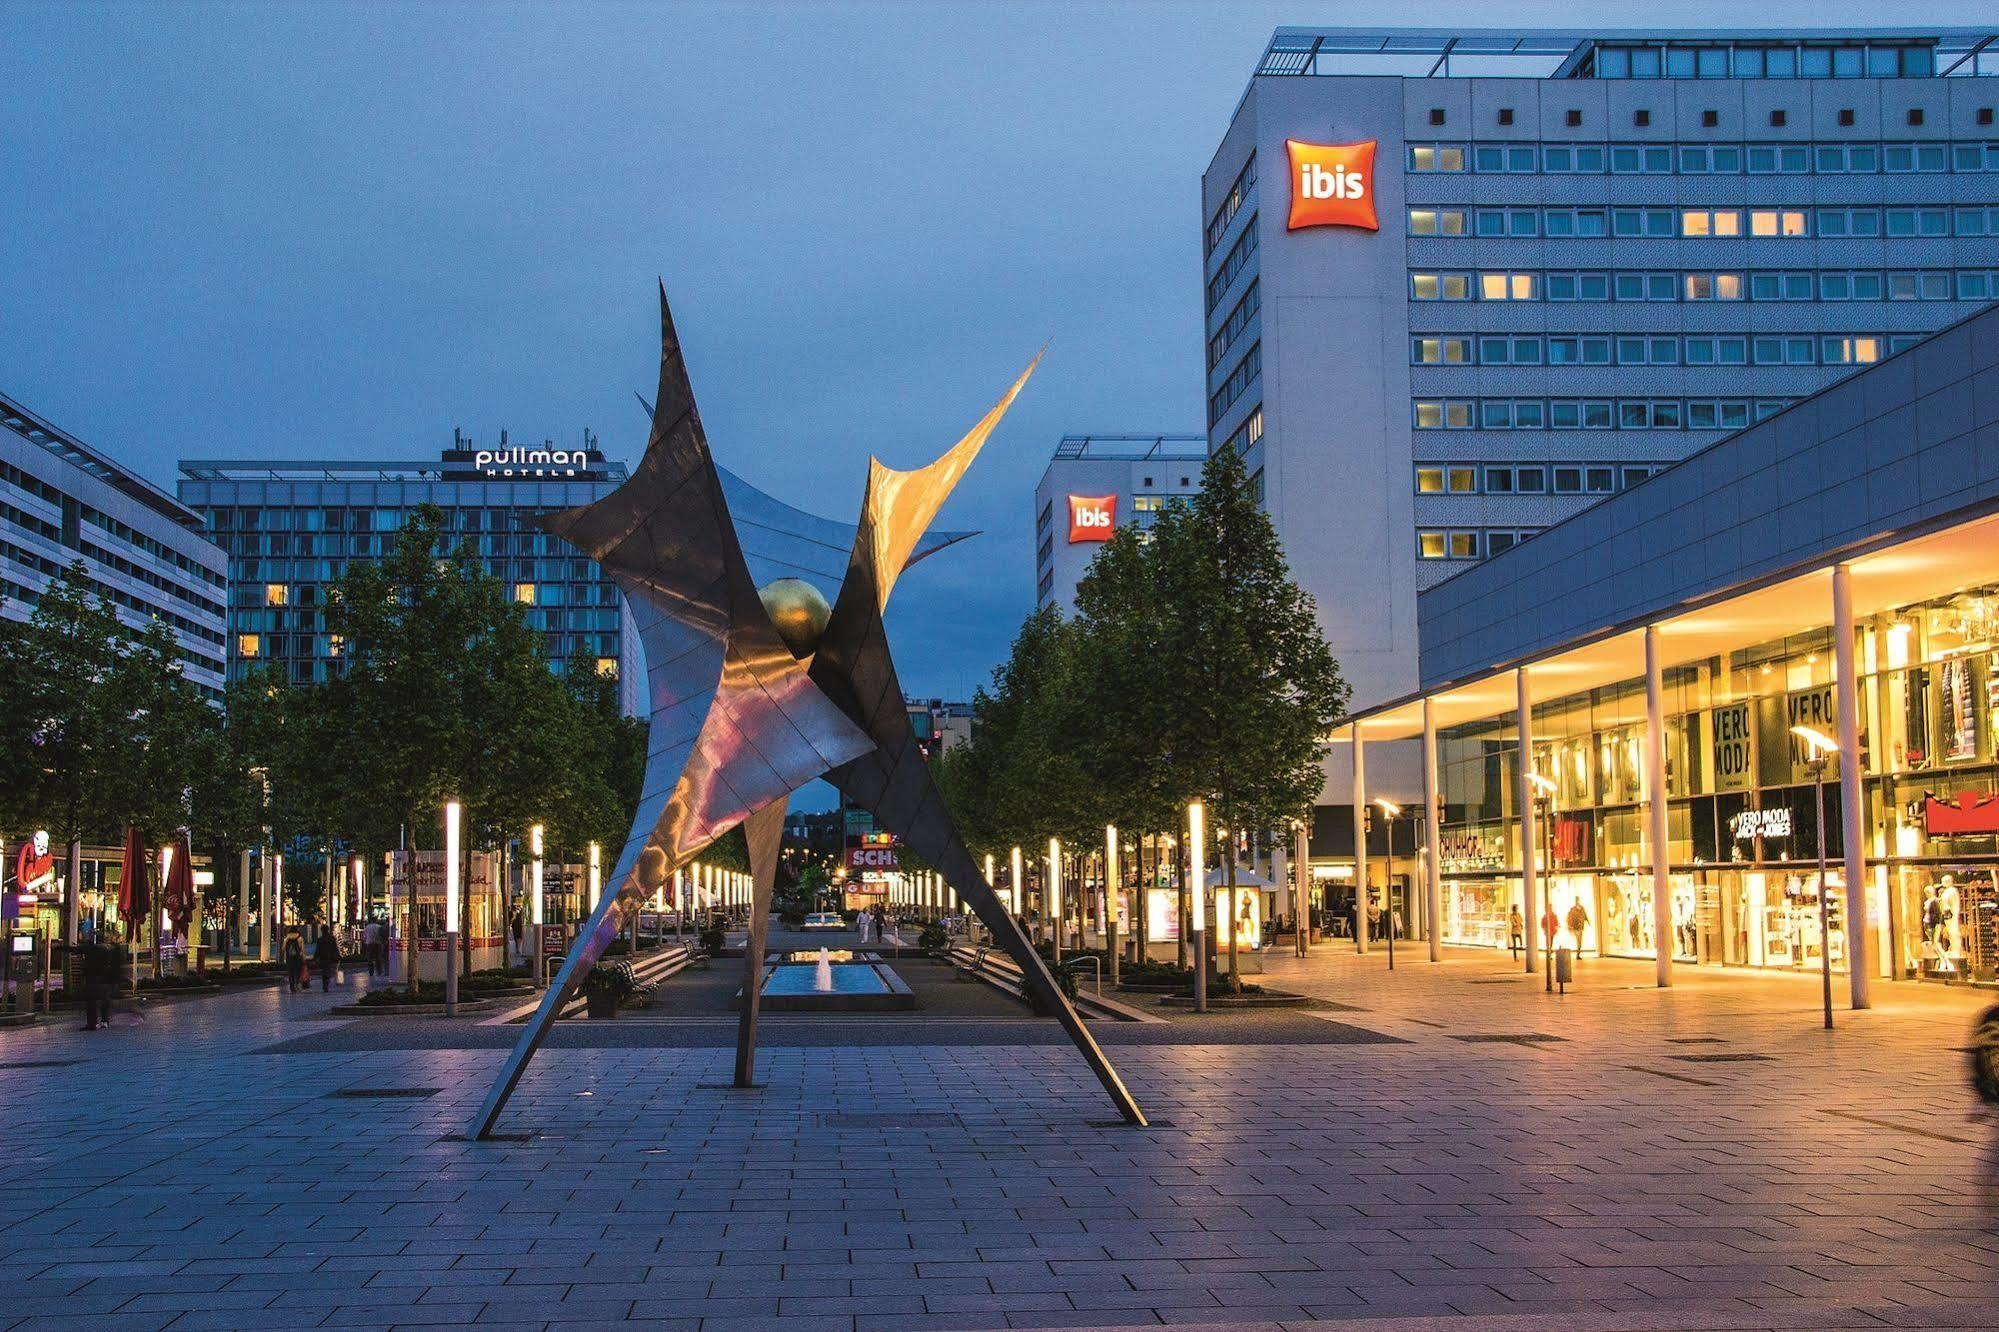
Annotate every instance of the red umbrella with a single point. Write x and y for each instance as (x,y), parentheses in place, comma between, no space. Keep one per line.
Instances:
(133,898)
(177,895)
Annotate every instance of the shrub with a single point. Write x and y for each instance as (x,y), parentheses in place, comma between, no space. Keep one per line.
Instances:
(934,939)
(712,939)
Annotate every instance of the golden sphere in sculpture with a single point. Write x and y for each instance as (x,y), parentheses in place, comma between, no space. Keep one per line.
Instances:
(799,611)
(652,869)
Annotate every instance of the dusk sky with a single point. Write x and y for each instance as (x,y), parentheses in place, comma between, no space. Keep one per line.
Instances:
(342,230)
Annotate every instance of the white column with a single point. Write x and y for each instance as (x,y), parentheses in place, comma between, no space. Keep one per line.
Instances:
(1433,818)
(1530,831)
(243,906)
(1655,808)
(1360,842)
(267,894)
(1852,785)
(1302,853)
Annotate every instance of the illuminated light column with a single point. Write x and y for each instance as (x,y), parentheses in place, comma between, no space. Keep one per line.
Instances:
(1054,903)
(1655,810)
(166,861)
(536,849)
(1852,788)
(679,900)
(276,920)
(1013,885)
(454,815)
(1530,832)
(1433,829)
(1111,898)
(1360,842)
(596,876)
(243,904)
(358,872)
(1197,870)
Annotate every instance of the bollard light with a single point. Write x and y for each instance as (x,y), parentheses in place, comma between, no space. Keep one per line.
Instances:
(1054,903)
(453,814)
(596,877)
(1013,884)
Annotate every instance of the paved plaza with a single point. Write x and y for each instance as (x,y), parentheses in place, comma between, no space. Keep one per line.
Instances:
(1453,1142)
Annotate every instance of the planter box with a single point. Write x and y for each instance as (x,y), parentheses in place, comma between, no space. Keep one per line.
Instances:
(1271,1000)
(465,1007)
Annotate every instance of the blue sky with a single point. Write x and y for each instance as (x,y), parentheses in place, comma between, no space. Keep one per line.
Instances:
(309,230)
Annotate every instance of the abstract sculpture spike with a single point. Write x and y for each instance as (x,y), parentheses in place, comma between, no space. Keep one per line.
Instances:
(740,720)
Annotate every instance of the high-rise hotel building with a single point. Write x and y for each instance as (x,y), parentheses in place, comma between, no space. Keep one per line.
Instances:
(1462,285)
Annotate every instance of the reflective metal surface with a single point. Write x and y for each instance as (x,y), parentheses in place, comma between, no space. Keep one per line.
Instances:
(738,723)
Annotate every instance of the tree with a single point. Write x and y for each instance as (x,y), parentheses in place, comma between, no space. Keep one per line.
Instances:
(1249,688)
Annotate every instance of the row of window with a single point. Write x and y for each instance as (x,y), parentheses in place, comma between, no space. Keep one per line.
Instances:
(1592,413)
(1247,371)
(1657,348)
(1524,222)
(1232,328)
(34,485)
(192,597)
(1531,478)
(1759,60)
(1703,159)
(1468,543)
(1239,194)
(1601,284)
(253,647)
(117,596)
(1246,434)
(1232,265)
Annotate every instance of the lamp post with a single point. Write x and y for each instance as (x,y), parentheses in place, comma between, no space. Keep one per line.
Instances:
(1013,883)
(1197,873)
(1054,903)
(536,850)
(1544,799)
(1821,749)
(970,917)
(1390,811)
(1111,896)
(596,877)
(453,815)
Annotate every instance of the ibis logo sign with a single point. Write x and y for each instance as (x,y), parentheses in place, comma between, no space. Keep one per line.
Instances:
(1092,517)
(1332,185)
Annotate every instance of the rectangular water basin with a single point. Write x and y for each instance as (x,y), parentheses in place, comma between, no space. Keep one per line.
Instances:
(858,987)
(800,978)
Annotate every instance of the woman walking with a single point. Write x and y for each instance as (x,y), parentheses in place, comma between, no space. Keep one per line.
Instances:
(327,954)
(294,961)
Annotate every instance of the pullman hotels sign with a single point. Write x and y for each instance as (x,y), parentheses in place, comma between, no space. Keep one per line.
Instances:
(507,461)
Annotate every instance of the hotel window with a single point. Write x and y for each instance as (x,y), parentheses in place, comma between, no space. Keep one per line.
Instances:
(1443,414)
(1917,221)
(1578,287)
(1507,222)
(1710,222)
(1440,286)
(1634,475)
(1499,542)
(277,594)
(1636,160)
(1429,157)
(1513,159)
(1499,480)
(1579,414)
(1641,222)
(1776,286)
(1568,480)
(1506,286)
(1765,160)
(1530,480)
(1648,351)
(1509,351)
(1577,222)
(1849,221)
(249,645)
(1446,544)
(1582,159)
(1908,286)
(1436,221)
(1440,351)
(1578,350)
(1717,415)
(1429,480)
(524,594)
(1600,480)
(1722,350)
(1778,222)
(1850,351)
(1912,157)
(1714,286)
(1978,221)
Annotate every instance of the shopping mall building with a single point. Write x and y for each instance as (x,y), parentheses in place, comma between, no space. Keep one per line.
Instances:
(1605,714)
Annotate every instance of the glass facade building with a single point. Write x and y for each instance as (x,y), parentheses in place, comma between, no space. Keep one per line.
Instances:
(291,528)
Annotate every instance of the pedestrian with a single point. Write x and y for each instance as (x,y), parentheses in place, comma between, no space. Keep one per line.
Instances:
(1516,930)
(368,946)
(1550,925)
(327,954)
(1578,922)
(98,971)
(294,951)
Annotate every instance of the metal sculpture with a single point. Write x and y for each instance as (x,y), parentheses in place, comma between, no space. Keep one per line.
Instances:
(742,714)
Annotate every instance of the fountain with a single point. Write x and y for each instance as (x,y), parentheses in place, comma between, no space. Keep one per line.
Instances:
(822,978)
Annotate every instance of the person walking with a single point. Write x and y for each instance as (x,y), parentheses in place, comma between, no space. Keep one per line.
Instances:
(98,971)
(327,955)
(294,960)
(1516,930)
(1578,922)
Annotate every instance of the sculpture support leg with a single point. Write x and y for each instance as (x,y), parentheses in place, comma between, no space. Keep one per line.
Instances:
(764,833)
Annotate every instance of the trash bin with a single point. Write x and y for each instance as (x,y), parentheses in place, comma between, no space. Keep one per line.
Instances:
(1565,966)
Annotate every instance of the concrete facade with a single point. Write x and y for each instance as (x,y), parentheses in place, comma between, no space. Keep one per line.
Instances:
(1139,473)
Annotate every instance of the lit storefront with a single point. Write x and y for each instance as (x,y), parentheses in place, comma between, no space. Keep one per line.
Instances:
(1651,645)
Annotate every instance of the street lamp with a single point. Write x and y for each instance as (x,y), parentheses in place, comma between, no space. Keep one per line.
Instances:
(596,877)
(1013,883)
(1822,748)
(1391,811)
(1197,872)
(535,881)
(1054,903)
(1112,895)
(1544,799)
(992,883)
(453,815)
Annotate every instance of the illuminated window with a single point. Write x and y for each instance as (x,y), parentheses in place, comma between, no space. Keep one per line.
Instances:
(1430,545)
(334,643)
(1441,351)
(524,593)
(1464,545)
(607,667)
(1710,222)
(1463,481)
(1429,480)
(249,645)
(1436,222)
(1506,286)
(277,594)
(1775,222)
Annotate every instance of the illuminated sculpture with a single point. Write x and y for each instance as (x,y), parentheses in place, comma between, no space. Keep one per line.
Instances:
(755,693)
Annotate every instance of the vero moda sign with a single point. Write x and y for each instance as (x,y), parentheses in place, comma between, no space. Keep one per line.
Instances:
(1332,185)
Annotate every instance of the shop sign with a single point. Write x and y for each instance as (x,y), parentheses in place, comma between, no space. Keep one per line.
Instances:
(1332,185)
(1732,757)
(1768,823)
(1092,517)
(1814,708)
(1465,849)
(1971,813)
(876,851)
